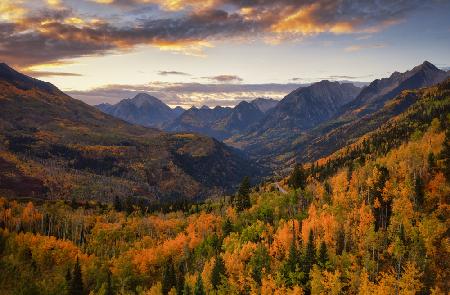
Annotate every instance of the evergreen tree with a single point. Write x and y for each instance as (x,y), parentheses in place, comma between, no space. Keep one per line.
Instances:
(310,255)
(431,162)
(186,290)
(297,180)
(198,289)
(227,227)
(259,261)
(168,277)
(217,272)
(109,288)
(68,278)
(445,155)
(419,188)
(117,204)
(180,279)
(291,266)
(323,255)
(76,283)
(242,199)
(340,242)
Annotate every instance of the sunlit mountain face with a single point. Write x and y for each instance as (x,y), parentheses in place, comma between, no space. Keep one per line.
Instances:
(216,52)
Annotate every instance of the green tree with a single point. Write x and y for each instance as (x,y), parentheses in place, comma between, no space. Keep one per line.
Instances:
(260,261)
(227,227)
(310,255)
(340,242)
(109,288)
(242,199)
(117,204)
(217,272)
(76,283)
(180,279)
(198,289)
(168,277)
(186,290)
(445,155)
(431,162)
(323,259)
(297,180)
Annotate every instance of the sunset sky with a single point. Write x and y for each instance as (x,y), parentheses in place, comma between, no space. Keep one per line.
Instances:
(217,51)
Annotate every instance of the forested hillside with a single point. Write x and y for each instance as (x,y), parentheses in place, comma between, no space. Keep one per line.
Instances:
(55,147)
(377,226)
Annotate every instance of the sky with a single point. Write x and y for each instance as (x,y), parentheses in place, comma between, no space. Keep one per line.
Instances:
(217,52)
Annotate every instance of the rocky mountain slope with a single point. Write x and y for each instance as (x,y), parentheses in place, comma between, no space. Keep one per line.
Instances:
(309,131)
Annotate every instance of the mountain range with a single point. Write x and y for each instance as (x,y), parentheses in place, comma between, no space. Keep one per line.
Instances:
(286,136)
(219,122)
(54,146)
(222,122)
(308,123)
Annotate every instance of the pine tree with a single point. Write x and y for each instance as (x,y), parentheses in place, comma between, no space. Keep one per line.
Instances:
(445,155)
(76,284)
(68,278)
(227,227)
(323,255)
(117,204)
(431,162)
(419,188)
(340,242)
(297,180)
(217,272)
(109,288)
(186,290)
(310,255)
(168,277)
(242,199)
(198,289)
(180,279)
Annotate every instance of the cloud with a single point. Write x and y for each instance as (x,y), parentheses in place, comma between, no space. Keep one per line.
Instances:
(225,78)
(354,48)
(62,30)
(187,94)
(39,74)
(167,73)
(340,78)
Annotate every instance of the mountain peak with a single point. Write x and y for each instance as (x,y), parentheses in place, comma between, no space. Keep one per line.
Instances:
(428,64)
(142,99)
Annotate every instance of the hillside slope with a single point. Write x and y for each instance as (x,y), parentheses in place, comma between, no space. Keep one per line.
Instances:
(54,146)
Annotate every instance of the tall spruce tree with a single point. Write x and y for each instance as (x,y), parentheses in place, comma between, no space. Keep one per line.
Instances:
(242,199)
(217,272)
(109,288)
(227,227)
(322,260)
(198,289)
(180,278)
(310,255)
(168,277)
(297,180)
(76,283)
(445,155)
